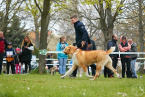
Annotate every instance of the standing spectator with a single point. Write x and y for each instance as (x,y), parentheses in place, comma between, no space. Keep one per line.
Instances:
(133,57)
(124,46)
(17,60)
(10,53)
(3,46)
(62,58)
(82,39)
(114,57)
(50,56)
(93,47)
(27,48)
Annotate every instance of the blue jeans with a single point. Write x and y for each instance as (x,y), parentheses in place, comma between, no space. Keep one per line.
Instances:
(62,65)
(133,68)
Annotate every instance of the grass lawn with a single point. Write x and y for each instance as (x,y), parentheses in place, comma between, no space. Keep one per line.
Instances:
(35,85)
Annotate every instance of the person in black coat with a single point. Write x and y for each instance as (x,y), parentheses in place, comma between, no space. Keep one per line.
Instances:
(27,48)
(50,56)
(82,38)
(114,57)
(93,47)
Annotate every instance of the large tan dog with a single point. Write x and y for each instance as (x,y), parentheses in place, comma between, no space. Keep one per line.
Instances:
(85,58)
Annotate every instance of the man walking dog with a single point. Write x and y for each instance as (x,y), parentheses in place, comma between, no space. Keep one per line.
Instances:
(3,45)
(82,39)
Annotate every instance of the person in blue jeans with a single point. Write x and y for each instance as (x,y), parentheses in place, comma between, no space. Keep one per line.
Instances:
(62,58)
(133,58)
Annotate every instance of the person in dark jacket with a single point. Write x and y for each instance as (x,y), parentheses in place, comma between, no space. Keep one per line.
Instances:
(93,47)
(3,46)
(17,60)
(133,57)
(10,53)
(114,57)
(50,56)
(82,38)
(124,46)
(27,48)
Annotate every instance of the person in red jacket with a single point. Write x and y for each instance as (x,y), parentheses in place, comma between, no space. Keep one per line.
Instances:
(3,45)
(124,46)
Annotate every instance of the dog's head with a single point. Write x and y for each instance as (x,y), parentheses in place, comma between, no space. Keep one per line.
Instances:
(69,50)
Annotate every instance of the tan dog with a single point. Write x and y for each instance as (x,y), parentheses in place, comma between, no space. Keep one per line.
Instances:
(85,58)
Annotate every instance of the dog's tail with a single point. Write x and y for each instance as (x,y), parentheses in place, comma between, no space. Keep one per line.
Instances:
(112,49)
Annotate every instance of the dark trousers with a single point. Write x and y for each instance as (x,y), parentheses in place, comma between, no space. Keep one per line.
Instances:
(127,61)
(93,70)
(27,63)
(1,61)
(12,67)
(92,66)
(108,71)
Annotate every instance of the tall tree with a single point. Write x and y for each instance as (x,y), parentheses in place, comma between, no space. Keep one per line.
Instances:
(10,10)
(105,9)
(141,32)
(36,15)
(15,33)
(45,18)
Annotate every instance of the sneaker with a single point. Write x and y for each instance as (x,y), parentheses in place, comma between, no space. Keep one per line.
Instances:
(72,76)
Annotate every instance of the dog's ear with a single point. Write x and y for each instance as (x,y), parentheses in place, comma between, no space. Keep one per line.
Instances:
(71,50)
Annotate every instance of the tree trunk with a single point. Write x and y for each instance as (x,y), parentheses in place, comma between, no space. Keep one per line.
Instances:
(5,21)
(43,34)
(141,34)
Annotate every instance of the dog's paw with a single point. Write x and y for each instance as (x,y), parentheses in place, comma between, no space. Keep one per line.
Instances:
(119,76)
(91,79)
(62,77)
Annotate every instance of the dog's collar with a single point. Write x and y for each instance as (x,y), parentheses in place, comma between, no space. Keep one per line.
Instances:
(75,50)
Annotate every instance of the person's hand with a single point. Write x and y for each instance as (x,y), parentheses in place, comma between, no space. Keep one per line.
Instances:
(8,56)
(83,43)
(26,47)
(20,64)
(112,57)
(4,51)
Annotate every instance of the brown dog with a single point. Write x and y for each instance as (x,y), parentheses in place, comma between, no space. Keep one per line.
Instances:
(85,58)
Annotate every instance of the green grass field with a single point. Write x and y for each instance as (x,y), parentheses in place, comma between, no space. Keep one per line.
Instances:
(35,85)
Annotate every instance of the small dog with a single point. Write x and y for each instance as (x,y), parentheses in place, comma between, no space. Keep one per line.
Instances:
(86,58)
(52,70)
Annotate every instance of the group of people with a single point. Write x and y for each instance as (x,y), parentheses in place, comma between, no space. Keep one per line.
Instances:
(84,42)
(126,59)
(15,58)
